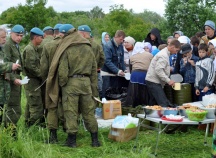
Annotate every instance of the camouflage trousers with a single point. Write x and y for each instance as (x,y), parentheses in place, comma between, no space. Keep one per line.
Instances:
(13,107)
(55,117)
(72,104)
(34,106)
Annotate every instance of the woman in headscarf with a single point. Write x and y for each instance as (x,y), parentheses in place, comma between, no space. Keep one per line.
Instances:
(140,61)
(128,49)
(105,37)
(154,38)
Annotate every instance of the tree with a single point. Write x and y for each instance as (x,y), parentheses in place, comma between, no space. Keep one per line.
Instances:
(189,16)
(36,15)
(96,12)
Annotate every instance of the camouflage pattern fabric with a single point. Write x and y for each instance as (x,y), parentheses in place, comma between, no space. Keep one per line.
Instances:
(77,91)
(13,108)
(31,68)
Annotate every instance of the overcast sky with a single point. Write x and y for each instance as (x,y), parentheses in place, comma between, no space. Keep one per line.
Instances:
(86,5)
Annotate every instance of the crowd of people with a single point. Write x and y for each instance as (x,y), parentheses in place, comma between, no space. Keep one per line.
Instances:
(67,68)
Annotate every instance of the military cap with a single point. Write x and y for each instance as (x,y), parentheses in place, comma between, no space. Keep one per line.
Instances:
(37,31)
(56,27)
(18,29)
(85,28)
(47,28)
(65,28)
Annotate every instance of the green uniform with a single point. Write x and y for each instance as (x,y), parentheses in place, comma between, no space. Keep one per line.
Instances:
(78,80)
(98,52)
(31,68)
(47,39)
(4,84)
(13,108)
(49,50)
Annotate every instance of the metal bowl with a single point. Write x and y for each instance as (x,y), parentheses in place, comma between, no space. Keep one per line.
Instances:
(153,113)
(211,112)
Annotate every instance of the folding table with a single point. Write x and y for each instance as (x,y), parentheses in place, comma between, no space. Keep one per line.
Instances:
(161,122)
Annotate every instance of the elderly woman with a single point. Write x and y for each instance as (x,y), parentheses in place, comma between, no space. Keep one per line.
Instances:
(140,61)
(128,49)
(209,27)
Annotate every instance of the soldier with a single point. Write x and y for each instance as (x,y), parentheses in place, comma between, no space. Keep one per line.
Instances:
(85,31)
(48,36)
(56,29)
(31,67)
(74,68)
(54,113)
(12,54)
(4,68)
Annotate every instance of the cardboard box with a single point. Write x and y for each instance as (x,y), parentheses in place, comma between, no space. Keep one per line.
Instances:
(122,135)
(111,109)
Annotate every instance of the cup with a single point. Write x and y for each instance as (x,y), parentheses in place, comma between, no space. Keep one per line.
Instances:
(177,86)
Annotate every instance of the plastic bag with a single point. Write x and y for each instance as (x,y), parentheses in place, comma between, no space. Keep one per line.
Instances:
(125,122)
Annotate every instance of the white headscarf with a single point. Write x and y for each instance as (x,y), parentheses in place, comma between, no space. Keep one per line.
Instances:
(213,41)
(138,48)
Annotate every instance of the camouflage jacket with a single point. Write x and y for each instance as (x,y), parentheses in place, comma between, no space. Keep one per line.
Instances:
(5,67)
(31,61)
(48,52)
(12,54)
(98,52)
(47,39)
(78,60)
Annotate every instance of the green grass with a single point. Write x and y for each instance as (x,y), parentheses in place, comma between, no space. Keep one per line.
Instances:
(30,144)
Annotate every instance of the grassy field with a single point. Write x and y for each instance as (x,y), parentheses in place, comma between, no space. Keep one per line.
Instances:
(30,144)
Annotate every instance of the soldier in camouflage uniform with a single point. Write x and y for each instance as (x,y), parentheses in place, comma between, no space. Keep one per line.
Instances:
(48,36)
(85,31)
(12,54)
(54,113)
(31,68)
(5,67)
(74,68)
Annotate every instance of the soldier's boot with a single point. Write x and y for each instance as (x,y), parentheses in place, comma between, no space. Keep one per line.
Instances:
(53,137)
(71,141)
(95,141)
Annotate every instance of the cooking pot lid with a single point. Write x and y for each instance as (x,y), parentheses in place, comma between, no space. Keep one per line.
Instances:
(176,78)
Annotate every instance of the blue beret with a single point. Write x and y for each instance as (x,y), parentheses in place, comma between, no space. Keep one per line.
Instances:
(56,27)
(18,29)
(47,28)
(65,28)
(85,28)
(37,31)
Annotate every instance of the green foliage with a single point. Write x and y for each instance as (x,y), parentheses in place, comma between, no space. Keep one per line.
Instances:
(189,16)
(28,15)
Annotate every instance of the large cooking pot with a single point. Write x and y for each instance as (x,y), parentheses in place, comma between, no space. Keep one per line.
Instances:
(183,95)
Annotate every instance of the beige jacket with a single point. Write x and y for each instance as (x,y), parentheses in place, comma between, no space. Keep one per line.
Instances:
(159,69)
(141,61)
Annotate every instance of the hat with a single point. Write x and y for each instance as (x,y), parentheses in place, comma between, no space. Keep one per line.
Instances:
(185,48)
(213,42)
(47,28)
(65,28)
(37,31)
(184,39)
(84,28)
(210,24)
(56,27)
(130,40)
(18,29)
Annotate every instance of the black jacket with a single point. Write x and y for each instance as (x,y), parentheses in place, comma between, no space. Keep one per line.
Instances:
(158,40)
